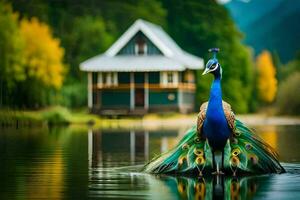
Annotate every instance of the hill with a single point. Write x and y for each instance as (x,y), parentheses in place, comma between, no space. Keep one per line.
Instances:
(272,25)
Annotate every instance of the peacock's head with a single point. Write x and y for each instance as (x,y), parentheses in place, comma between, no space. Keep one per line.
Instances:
(213,66)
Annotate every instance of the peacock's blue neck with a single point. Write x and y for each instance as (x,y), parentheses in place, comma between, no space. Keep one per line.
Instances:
(215,125)
(215,99)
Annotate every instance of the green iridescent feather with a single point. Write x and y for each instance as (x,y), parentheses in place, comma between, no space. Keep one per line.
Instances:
(244,153)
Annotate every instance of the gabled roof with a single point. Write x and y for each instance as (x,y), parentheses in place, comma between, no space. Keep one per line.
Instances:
(173,58)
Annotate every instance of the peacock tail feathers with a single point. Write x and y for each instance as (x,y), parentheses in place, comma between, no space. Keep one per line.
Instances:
(244,153)
(255,155)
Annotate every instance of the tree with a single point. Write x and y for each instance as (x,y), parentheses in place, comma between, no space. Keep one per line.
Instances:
(11,53)
(288,101)
(200,25)
(121,14)
(88,37)
(43,54)
(43,68)
(290,68)
(266,80)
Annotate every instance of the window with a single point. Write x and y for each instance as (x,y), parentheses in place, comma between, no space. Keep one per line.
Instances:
(140,46)
(108,79)
(169,78)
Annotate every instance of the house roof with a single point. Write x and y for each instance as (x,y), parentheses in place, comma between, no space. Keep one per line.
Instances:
(173,58)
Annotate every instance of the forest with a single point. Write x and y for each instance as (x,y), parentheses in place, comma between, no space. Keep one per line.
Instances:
(42,43)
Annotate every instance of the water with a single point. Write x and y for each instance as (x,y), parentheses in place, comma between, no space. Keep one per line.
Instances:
(80,163)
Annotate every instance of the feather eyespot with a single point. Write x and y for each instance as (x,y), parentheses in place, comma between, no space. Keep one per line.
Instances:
(181,160)
(248,146)
(236,152)
(237,133)
(253,158)
(185,146)
(234,140)
(200,160)
(198,152)
(234,161)
(197,140)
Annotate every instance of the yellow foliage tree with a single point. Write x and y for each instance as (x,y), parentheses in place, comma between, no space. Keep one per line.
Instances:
(266,80)
(42,53)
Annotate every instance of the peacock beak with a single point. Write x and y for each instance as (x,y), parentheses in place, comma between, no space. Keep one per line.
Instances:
(207,70)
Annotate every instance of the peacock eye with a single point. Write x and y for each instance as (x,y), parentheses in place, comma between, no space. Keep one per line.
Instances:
(214,67)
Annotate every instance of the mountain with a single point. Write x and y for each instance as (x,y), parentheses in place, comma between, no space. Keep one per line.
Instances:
(272,25)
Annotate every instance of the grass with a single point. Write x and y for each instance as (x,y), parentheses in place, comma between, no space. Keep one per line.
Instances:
(61,116)
(51,116)
(17,118)
(56,116)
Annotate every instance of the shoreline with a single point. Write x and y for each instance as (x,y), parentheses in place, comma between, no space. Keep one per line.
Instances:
(61,117)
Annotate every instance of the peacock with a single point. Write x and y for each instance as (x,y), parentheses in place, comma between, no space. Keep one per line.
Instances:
(218,143)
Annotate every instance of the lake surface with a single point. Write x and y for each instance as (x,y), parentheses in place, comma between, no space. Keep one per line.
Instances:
(81,163)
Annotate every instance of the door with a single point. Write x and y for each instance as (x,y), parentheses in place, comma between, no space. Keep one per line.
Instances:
(139,96)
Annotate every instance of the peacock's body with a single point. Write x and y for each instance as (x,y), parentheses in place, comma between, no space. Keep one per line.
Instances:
(219,143)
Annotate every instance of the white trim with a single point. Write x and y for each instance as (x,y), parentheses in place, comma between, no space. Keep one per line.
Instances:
(139,25)
(142,63)
(90,90)
(132,93)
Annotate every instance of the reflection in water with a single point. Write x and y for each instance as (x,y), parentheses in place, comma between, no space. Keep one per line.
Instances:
(108,148)
(269,134)
(66,163)
(111,148)
(46,173)
(115,147)
(218,187)
(119,148)
(285,140)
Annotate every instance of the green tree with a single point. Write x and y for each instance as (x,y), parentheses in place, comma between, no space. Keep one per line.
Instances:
(11,54)
(88,37)
(291,67)
(200,25)
(288,100)
(121,14)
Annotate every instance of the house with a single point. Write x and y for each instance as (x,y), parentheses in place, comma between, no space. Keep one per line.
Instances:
(143,71)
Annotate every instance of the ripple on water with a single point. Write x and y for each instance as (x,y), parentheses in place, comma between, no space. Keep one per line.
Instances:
(129,183)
